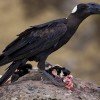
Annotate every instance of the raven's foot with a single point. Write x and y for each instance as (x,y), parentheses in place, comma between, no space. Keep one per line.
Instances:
(56,81)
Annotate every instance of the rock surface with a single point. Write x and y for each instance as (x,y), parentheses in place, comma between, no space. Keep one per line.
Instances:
(32,87)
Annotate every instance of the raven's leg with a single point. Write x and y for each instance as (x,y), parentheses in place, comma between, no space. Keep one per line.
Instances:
(41,66)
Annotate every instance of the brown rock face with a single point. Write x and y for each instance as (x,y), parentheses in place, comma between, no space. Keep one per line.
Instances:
(33,87)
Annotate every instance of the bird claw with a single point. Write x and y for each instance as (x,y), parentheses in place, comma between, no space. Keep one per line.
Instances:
(55,81)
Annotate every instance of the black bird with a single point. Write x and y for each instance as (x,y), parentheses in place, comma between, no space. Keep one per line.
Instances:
(38,42)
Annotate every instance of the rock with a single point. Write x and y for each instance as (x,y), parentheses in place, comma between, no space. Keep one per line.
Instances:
(33,87)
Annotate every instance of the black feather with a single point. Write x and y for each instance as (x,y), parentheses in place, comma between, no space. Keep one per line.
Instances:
(11,70)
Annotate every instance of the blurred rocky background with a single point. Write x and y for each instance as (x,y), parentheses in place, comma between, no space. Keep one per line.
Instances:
(80,55)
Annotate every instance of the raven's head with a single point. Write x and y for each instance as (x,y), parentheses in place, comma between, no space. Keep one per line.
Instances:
(84,10)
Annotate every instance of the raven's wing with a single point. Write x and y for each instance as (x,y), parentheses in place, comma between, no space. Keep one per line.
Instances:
(35,40)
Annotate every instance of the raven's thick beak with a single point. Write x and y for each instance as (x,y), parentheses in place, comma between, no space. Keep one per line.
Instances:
(94,8)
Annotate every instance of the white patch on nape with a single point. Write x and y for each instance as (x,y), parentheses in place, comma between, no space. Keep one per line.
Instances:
(74,10)
(0,76)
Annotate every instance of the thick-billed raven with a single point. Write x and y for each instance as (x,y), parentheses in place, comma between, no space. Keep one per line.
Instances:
(38,42)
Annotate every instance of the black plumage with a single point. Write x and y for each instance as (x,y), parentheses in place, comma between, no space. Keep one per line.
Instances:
(38,42)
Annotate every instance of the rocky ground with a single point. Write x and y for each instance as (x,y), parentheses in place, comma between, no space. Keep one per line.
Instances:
(32,87)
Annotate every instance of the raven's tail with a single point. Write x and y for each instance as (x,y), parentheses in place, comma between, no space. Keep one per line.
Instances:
(4,59)
(1,56)
(11,70)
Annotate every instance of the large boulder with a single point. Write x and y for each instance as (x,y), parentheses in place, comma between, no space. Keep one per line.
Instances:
(33,87)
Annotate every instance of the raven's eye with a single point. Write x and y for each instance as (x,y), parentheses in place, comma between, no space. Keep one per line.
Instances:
(82,7)
(92,4)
